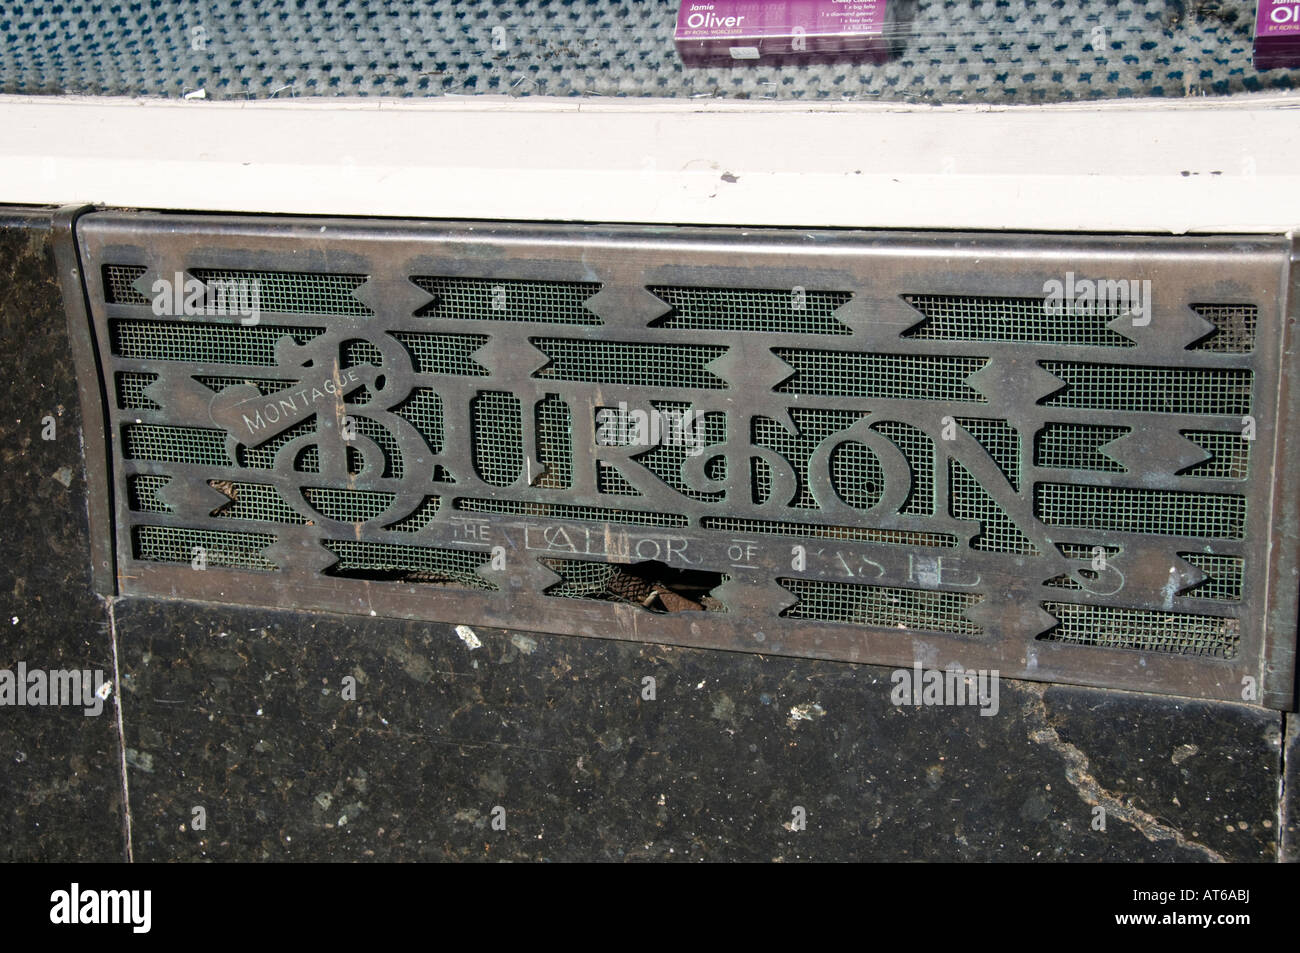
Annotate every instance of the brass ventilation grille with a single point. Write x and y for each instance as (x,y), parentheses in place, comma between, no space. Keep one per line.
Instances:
(878,448)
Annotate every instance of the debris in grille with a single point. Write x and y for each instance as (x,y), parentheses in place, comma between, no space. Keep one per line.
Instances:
(1150,631)
(554,442)
(856,465)
(254,501)
(1023,320)
(1234,331)
(788,311)
(650,585)
(497,299)
(888,606)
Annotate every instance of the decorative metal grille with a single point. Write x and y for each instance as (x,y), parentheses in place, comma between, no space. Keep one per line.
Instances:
(873,447)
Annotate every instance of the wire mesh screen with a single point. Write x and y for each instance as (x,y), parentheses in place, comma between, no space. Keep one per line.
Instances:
(865,456)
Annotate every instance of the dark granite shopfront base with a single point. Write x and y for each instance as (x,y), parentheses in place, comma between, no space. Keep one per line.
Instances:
(295,735)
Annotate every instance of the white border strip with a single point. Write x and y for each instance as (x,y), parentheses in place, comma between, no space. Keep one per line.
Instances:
(1222,165)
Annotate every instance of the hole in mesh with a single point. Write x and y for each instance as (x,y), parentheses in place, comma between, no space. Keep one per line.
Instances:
(790,311)
(1230,458)
(565,511)
(885,606)
(1024,320)
(1143,629)
(554,423)
(1166,390)
(502,299)
(882,376)
(218,384)
(1226,577)
(616,362)
(216,548)
(130,391)
(142,493)
(1234,330)
(968,500)
(1132,510)
(651,585)
(349,506)
(779,528)
(498,437)
(253,501)
(175,445)
(202,343)
(396,562)
(421,517)
(119,284)
(293,292)
(1077,447)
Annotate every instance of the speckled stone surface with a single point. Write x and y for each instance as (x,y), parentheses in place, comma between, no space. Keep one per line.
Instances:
(1289,812)
(239,711)
(243,713)
(60,776)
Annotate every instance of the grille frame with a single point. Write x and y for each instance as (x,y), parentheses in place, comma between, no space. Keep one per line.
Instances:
(625,262)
